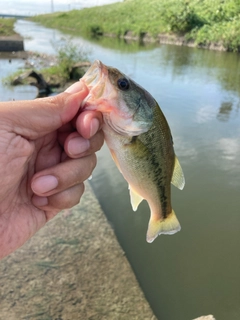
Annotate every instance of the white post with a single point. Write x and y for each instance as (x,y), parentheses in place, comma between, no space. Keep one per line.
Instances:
(52,7)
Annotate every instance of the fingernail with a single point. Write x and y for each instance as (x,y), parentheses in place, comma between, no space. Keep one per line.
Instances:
(74,88)
(78,145)
(94,126)
(44,184)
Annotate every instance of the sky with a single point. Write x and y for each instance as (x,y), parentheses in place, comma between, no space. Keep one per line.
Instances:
(33,7)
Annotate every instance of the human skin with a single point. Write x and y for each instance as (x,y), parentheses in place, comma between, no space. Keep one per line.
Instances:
(47,151)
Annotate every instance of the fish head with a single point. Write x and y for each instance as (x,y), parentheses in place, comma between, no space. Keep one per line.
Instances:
(126,107)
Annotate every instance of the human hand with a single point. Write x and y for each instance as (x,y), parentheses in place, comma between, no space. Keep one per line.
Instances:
(47,150)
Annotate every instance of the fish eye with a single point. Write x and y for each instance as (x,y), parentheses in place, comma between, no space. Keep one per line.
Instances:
(123,84)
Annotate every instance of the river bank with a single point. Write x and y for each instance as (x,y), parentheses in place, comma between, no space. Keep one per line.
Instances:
(9,40)
(204,24)
(172,39)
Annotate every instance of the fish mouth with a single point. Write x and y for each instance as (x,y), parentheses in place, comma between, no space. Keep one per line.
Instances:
(95,79)
(96,73)
(104,97)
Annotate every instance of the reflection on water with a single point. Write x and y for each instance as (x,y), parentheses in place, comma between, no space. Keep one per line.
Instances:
(123,45)
(226,110)
(230,148)
(219,67)
(197,270)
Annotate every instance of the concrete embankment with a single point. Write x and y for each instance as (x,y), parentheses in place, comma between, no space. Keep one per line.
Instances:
(12,43)
(73,268)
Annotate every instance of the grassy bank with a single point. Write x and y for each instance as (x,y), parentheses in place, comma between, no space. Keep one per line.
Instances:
(7,27)
(201,21)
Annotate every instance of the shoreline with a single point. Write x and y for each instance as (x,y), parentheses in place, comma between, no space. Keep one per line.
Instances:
(173,39)
(14,44)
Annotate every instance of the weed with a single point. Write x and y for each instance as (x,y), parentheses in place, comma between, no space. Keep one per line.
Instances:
(68,55)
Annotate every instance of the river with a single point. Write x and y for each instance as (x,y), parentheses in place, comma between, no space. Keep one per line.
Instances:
(195,271)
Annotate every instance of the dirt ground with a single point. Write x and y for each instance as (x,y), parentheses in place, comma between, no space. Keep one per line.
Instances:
(72,269)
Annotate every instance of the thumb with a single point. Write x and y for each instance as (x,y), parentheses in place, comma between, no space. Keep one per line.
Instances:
(35,118)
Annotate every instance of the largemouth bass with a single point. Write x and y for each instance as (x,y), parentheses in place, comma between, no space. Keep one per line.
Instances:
(140,141)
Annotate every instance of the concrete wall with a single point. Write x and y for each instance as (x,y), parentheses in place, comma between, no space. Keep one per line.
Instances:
(9,44)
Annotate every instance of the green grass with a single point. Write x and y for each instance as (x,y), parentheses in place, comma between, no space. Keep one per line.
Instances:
(117,19)
(7,27)
(203,21)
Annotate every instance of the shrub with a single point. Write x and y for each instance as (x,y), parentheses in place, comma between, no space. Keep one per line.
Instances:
(182,18)
(68,55)
(96,31)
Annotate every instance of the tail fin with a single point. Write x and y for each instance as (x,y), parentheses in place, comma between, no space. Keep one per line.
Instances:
(170,225)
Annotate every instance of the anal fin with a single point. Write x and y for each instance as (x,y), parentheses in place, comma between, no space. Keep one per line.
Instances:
(170,225)
(136,199)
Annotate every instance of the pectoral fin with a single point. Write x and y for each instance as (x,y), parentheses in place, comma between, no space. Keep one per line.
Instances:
(178,179)
(114,157)
(170,225)
(136,199)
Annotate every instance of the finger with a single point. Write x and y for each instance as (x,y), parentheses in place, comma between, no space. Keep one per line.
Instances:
(88,123)
(63,200)
(76,146)
(34,119)
(74,88)
(63,176)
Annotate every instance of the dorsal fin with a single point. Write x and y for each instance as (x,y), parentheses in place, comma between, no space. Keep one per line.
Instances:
(178,179)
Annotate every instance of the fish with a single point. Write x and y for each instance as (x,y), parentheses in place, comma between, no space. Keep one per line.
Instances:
(140,142)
